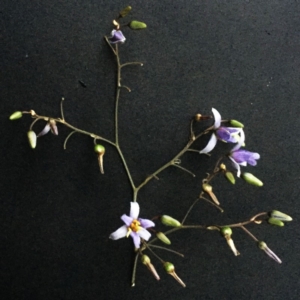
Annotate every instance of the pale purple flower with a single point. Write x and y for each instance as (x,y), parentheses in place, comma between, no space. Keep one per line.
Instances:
(225,134)
(242,158)
(51,125)
(134,226)
(116,37)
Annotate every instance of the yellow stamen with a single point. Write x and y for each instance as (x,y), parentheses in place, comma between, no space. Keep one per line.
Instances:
(135,226)
(128,232)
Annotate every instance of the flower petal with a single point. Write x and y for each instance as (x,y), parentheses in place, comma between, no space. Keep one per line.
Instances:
(119,233)
(217,118)
(144,234)
(136,239)
(45,130)
(236,166)
(240,142)
(116,36)
(127,220)
(211,144)
(134,210)
(146,223)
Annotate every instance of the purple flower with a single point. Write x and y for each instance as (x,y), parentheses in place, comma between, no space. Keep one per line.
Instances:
(242,158)
(134,226)
(225,134)
(116,37)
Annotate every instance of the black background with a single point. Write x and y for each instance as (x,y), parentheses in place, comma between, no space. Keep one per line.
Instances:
(57,211)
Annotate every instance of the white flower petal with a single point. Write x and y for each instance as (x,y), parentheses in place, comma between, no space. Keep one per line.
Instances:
(240,142)
(134,210)
(236,166)
(119,233)
(144,234)
(211,144)
(217,117)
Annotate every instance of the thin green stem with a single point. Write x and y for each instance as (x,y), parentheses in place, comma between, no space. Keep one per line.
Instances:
(134,270)
(132,63)
(184,169)
(67,138)
(167,249)
(249,233)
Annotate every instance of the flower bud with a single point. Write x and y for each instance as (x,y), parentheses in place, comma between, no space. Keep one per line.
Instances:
(276,222)
(161,236)
(251,179)
(236,123)
(31,138)
(16,115)
(223,167)
(136,25)
(125,11)
(230,177)
(275,214)
(169,221)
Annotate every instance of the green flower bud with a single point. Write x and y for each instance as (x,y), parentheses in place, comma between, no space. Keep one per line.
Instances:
(161,236)
(169,267)
(136,25)
(16,115)
(31,138)
(145,259)
(169,221)
(99,149)
(275,214)
(276,222)
(251,179)
(226,231)
(230,177)
(236,123)
(124,12)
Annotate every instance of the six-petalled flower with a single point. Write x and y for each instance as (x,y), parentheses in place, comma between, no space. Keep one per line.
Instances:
(134,226)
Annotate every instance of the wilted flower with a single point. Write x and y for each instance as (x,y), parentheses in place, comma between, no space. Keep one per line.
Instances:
(51,125)
(134,226)
(225,134)
(263,246)
(116,37)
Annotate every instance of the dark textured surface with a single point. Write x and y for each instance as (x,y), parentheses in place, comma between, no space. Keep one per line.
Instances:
(57,212)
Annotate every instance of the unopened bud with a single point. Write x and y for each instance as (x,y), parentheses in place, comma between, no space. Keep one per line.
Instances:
(137,25)
(161,236)
(169,221)
(276,222)
(236,123)
(230,177)
(275,214)
(31,138)
(16,115)
(251,179)
(124,12)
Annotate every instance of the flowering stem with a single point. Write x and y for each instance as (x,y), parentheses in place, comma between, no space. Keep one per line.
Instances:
(134,270)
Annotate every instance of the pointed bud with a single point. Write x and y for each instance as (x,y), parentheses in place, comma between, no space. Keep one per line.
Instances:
(125,11)
(170,269)
(275,214)
(276,222)
(136,25)
(208,189)
(230,177)
(146,261)
(169,221)
(101,151)
(236,123)
(161,236)
(263,246)
(251,179)
(31,138)
(16,115)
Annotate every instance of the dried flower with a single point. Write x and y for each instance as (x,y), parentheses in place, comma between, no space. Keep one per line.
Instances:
(170,269)
(263,246)
(227,232)
(51,125)
(134,226)
(147,262)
